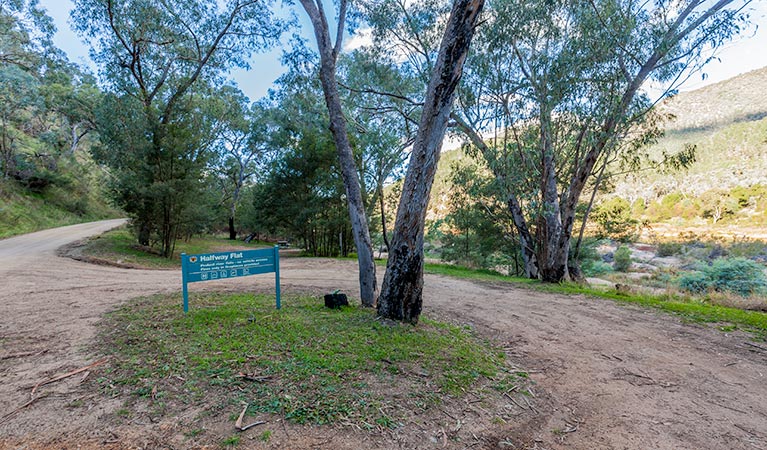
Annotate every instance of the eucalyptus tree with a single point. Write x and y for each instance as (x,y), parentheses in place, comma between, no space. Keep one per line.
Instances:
(158,57)
(560,87)
(301,195)
(26,34)
(402,290)
(19,100)
(241,148)
(382,126)
(329,50)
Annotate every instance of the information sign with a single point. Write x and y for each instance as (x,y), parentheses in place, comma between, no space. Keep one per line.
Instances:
(239,263)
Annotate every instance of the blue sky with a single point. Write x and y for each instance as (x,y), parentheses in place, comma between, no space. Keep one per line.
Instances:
(746,53)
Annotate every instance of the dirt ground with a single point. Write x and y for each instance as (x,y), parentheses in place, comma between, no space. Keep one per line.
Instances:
(606,376)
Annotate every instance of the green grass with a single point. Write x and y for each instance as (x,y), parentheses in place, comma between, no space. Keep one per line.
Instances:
(231,441)
(119,246)
(320,365)
(690,309)
(23,212)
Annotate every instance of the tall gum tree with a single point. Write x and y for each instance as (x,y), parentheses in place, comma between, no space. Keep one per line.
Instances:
(562,83)
(328,60)
(401,296)
(158,53)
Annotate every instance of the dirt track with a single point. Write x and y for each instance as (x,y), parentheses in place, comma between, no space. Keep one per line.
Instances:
(627,377)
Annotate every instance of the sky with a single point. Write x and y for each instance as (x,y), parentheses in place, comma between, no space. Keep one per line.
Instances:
(746,53)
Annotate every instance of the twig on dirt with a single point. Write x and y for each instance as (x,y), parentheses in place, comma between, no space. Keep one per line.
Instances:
(285,429)
(254,378)
(571,428)
(513,401)
(238,425)
(752,433)
(448,414)
(730,364)
(756,346)
(67,375)
(530,405)
(12,413)
(728,407)
(23,354)
(85,376)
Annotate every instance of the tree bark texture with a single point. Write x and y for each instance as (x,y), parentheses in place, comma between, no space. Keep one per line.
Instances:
(401,293)
(360,228)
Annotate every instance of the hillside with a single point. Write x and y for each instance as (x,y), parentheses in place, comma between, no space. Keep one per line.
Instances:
(727,121)
(23,211)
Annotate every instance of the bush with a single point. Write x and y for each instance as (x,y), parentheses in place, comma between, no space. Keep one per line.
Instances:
(695,282)
(737,275)
(614,220)
(668,249)
(622,259)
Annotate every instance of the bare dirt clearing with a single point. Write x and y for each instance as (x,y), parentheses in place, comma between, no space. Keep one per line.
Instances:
(607,375)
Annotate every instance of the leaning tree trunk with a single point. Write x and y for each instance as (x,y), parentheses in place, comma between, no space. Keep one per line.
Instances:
(401,293)
(360,228)
(232,230)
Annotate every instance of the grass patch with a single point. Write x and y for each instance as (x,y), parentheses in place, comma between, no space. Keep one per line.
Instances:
(119,246)
(311,364)
(22,211)
(697,310)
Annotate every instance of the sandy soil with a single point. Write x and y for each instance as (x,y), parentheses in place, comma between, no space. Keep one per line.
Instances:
(606,375)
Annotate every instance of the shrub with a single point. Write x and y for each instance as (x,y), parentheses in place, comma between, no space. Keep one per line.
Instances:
(622,259)
(695,282)
(614,220)
(668,249)
(737,275)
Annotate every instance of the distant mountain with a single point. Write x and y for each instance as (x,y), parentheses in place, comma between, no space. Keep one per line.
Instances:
(739,99)
(727,122)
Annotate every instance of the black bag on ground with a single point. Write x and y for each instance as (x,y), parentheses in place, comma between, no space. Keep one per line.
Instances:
(336,300)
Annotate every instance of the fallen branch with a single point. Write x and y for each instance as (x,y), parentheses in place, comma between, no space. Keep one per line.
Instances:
(12,413)
(513,401)
(67,375)
(23,354)
(254,378)
(756,346)
(238,425)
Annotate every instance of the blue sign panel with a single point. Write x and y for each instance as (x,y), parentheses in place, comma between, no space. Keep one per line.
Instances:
(239,263)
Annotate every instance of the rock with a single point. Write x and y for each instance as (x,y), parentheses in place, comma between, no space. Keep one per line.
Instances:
(643,267)
(608,257)
(717,252)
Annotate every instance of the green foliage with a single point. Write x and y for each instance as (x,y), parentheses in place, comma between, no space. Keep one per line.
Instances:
(302,197)
(737,275)
(161,120)
(22,211)
(589,259)
(321,365)
(615,220)
(45,118)
(668,249)
(477,231)
(622,259)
